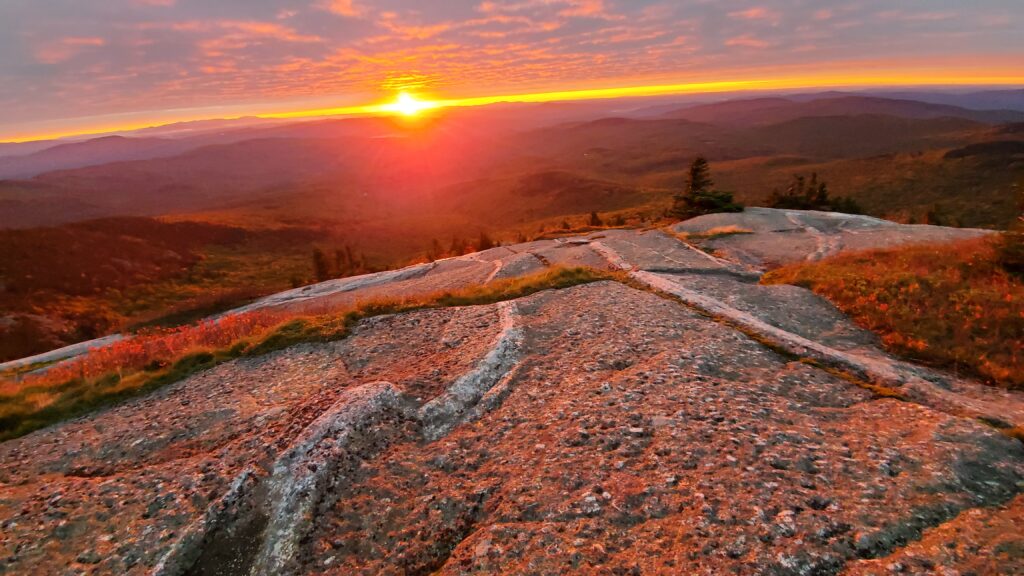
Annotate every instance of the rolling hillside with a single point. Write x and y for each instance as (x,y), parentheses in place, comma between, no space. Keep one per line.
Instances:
(392,189)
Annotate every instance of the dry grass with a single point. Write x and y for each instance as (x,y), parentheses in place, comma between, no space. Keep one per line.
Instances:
(156,358)
(711,234)
(950,305)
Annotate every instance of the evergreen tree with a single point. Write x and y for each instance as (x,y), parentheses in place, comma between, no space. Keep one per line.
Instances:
(484,242)
(699,196)
(698,179)
(1011,246)
(342,262)
(804,194)
(321,267)
(435,250)
(937,216)
(458,247)
(818,191)
(595,220)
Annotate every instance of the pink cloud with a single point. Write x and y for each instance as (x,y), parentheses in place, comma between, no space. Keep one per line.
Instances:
(588,8)
(415,31)
(747,41)
(235,29)
(916,16)
(756,13)
(67,48)
(89,41)
(347,8)
(596,9)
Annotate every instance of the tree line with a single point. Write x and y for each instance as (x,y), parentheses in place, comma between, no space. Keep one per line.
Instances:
(699,196)
(345,262)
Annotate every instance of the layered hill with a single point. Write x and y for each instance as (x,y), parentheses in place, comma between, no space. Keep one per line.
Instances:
(335,172)
(678,417)
(774,110)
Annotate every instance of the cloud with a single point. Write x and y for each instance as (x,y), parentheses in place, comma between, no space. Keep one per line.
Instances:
(594,9)
(414,31)
(757,13)
(747,41)
(916,16)
(98,60)
(67,48)
(234,29)
(346,8)
(588,9)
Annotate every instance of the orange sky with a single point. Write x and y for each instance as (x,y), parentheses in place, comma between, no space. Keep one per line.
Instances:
(87,67)
(916,76)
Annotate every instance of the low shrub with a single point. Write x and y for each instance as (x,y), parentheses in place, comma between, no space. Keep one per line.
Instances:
(155,358)
(951,305)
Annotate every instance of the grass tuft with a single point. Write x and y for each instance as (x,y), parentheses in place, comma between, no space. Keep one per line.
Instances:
(948,305)
(151,360)
(711,234)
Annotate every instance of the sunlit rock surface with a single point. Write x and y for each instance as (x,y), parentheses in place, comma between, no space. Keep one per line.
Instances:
(787,236)
(690,422)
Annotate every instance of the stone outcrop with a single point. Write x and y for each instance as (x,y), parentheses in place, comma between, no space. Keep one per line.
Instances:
(687,421)
(778,237)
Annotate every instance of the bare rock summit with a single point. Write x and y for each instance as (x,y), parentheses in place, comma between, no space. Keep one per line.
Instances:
(686,420)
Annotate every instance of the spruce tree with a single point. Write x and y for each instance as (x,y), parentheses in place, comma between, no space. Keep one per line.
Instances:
(321,267)
(1011,246)
(698,180)
(484,242)
(812,194)
(343,264)
(699,196)
(435,250)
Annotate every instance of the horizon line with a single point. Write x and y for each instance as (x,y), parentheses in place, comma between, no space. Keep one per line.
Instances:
(386,108)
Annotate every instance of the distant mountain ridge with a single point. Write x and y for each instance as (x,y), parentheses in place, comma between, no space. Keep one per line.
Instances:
(27,160)
(336,170)
(87,153)
(775,110)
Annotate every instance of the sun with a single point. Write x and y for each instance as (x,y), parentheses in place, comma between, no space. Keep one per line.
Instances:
(408,105)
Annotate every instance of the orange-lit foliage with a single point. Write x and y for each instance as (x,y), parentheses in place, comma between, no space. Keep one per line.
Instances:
(156,348)
(75,282)
(156,358)
(948,304)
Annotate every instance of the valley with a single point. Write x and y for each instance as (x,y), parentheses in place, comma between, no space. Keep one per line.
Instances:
(395,191)
(511,287)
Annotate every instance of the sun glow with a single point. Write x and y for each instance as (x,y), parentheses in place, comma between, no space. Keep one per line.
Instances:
(408,105)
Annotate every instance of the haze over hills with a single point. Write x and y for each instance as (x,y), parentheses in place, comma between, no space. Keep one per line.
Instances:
(994,106)
(516,287)
(216,170)
(1011,99)
(391,189)
(774,110)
